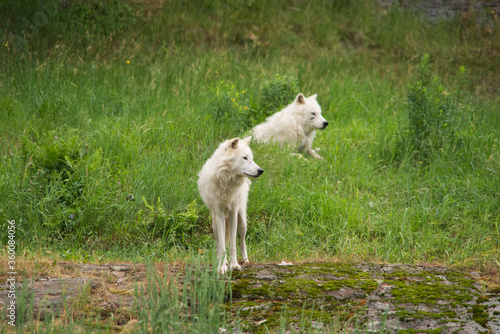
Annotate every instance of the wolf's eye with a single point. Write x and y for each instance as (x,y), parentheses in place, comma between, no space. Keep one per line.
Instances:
(245,158)
(313,113)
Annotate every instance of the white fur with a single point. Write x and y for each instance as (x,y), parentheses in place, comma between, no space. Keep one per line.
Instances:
(223,184)
(296,124)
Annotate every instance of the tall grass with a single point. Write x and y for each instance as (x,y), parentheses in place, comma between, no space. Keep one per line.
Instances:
(103,134)
(187,303)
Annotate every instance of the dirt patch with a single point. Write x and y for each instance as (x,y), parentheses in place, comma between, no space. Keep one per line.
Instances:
(90,289)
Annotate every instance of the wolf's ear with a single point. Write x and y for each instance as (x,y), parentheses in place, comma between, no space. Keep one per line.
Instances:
(247,140)
(300,99)
(313,96)
(233,143)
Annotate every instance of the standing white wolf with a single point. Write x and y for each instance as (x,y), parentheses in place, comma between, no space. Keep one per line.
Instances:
(223,186)
(295,124)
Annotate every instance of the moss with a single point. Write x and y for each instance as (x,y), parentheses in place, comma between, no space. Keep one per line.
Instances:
(405,315)
(480,315)
(482,299)
(245,287)
(430,331)
(338,292)
(429,292)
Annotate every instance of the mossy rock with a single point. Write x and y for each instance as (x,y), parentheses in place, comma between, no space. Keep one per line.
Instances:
(334,297)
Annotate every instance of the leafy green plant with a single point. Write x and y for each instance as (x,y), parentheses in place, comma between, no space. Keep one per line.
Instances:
(176,228)
(435,115)
(62,172)
(230,105)
(276,94)
(97,17)
(52,151)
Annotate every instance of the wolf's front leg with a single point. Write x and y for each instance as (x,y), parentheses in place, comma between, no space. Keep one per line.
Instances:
(233,223)
(308,146)
(242,229)
(219,226)
(314,154)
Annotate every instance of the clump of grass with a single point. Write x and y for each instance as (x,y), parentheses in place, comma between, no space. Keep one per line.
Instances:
(176,228)
(237,107)
(96,17)
(436,116)
(276,93)
(229,105)
(189,302)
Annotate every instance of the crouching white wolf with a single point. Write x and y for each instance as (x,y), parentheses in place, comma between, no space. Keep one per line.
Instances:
(296,124)
(223,186)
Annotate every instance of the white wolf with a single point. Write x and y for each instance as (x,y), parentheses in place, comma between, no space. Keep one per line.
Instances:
(295,124)
(223,186)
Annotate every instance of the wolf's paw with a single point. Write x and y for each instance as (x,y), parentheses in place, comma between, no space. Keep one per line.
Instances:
(245,261)
(298,155)
(235,267)
(316,155)
(222,267)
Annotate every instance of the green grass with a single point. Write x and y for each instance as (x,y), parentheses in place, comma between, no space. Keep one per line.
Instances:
(103,133)
(102,142)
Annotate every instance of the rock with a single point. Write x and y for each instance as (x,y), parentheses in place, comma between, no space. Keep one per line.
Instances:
(320,297)
(434,10)
(51,296)
(475,274)
(369,297)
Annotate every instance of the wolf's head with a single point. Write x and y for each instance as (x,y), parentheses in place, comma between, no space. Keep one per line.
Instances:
(242,158)
(310,111)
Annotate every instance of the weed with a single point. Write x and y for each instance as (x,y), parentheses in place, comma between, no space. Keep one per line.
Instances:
(436,117)
(98,17)
(229,105)
(276,93)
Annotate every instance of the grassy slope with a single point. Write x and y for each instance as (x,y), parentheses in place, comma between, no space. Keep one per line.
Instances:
(83,130)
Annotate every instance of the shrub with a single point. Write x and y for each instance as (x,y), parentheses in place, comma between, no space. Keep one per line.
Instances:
(26,21)
(51,151)
(276,94)
(98,17)
(230,105)
(177,228)
(436,116)
(62,171)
